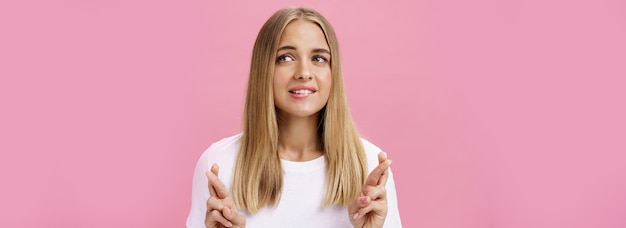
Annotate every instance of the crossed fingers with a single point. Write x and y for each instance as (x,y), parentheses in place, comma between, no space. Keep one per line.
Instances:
(220,207)
(373,201)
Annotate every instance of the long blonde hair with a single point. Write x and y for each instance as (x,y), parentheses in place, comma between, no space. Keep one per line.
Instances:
(258,172)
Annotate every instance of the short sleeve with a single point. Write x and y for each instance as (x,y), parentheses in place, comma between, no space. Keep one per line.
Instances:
(393,214)
(222,153)
(199,194)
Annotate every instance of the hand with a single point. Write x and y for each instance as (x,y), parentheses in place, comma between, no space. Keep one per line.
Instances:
(370,210)
(221,210)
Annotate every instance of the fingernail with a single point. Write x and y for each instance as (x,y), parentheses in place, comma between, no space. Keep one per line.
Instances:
(356,215)
(228,211)
(364,200)
(230,224)
(384,154)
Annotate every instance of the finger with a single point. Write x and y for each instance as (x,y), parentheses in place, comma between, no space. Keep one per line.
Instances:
(214,217)
(212,192)
(356,204)
(376,207)
(363,211)
(217,185)
(232,215)
(382,181)
(213,203)
(215,169)
(374,177)
(382,156)
(377,193)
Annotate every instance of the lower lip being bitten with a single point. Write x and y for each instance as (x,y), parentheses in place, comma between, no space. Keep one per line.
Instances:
(300,95)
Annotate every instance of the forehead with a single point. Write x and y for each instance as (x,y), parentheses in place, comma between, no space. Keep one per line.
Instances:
(304,34)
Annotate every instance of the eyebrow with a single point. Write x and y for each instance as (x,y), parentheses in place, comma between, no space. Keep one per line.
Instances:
(317,50)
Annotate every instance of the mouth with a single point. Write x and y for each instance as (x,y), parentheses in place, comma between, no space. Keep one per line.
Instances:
(302,91)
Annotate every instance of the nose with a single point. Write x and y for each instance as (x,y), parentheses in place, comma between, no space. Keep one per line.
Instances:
(304,71)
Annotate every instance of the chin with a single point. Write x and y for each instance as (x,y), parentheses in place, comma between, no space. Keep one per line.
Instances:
(301,113)
(304,114)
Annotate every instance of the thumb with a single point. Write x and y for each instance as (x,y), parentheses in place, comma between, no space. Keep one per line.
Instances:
(215,169)
(357,204)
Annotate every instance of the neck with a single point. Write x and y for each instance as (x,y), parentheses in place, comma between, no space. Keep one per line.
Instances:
(298,138)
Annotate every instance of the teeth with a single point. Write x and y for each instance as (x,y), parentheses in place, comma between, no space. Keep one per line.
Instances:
(302,91)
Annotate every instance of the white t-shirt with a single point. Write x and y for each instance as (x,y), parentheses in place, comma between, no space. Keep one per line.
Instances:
(301,200)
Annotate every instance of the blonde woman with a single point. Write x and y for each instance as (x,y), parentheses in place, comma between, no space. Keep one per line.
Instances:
(299,161)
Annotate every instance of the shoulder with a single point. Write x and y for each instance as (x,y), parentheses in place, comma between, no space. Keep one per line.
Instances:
(224,147)
(223,152)
(226,143)
(371,152)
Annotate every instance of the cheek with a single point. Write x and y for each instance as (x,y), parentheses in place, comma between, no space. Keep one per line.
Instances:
(326,78)
(281,76)
(326,81)
(276,82)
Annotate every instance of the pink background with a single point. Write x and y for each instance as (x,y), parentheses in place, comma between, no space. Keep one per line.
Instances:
(496,113)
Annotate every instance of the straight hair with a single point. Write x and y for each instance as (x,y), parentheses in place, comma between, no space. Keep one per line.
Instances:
(258,177)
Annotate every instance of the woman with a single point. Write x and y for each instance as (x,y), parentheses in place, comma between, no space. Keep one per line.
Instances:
(299,161)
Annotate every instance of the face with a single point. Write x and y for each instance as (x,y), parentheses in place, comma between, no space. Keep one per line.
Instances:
(302,76)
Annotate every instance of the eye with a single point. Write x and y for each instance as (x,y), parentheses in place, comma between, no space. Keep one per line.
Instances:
(284,58)
(320,59)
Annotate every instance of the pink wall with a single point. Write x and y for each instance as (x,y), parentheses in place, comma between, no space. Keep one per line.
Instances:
(495,114)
